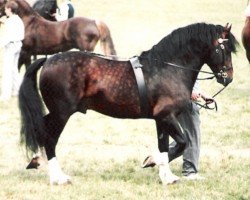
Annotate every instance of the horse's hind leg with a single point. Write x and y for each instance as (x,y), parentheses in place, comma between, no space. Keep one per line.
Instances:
(25,59)
(54,126)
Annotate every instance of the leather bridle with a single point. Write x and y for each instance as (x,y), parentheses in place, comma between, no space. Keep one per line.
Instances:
(221,74)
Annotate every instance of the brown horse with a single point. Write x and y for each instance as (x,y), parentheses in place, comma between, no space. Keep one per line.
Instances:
(43,37)
(246,37)
(77,81)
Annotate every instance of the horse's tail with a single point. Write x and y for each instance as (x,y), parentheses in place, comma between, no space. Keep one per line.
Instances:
(31,109)
(106,40)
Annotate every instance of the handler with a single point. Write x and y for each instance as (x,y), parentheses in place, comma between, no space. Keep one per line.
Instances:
(65,11)
(190,122)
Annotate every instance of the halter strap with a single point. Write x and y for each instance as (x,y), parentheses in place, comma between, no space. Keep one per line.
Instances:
(143,97)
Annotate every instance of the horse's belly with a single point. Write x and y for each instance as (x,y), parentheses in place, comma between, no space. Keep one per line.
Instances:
(114,110)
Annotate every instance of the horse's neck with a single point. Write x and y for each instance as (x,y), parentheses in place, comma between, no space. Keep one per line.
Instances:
(187,67)
(24,9)
(26,20)
(187,71)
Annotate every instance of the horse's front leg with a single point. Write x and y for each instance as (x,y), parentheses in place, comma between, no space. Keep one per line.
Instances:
(161,159)
(180,139)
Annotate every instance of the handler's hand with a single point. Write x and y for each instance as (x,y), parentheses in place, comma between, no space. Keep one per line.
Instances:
(195,96)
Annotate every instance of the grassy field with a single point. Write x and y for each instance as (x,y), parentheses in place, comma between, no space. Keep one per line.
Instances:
(103,154)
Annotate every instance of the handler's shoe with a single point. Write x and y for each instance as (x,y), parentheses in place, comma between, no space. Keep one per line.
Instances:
(193,177)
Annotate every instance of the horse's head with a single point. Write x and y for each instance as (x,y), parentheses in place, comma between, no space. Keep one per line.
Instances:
(220,59)
(2,7)
(46,9)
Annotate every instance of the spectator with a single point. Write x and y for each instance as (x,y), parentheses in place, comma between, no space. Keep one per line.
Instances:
(189,120)
(65,11)
(12,43)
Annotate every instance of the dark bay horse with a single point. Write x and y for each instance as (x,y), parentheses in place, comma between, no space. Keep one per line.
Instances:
(43,37)
(246,37)
(77,81)
(46,8)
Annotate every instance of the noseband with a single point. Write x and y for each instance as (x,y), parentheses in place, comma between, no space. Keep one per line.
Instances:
(223,72)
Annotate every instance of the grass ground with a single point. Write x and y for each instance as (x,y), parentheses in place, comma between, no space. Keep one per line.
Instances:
(103,154)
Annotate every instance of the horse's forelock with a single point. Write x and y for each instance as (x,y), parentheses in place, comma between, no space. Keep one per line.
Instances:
(232,41)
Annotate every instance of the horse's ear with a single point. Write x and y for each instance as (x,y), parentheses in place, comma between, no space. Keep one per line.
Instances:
(226,30)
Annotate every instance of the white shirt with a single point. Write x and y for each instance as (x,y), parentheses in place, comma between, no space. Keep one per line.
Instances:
(63,12)
(196,87)
(247,11)
(14,30)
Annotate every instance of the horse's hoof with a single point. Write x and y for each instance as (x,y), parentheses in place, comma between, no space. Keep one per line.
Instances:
(62,180)
(67,182)
(34,163)
(37,162)
(174,180)
(148,162)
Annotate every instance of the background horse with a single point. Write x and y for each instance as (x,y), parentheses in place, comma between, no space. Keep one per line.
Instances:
(77,81)
(46,8)
(246,35)
(43,37)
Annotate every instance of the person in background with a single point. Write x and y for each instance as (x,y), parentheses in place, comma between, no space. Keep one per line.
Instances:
(12,43)
(65,11)
(190,122)
(47,9)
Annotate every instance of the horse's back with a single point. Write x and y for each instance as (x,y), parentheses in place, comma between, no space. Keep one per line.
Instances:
(82,22)
(81,64)
(81,80)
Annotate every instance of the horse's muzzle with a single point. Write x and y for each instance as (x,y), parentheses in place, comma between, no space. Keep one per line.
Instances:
(225,76)
(224,81)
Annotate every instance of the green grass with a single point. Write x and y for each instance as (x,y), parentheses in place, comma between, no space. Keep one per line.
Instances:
(103,155)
